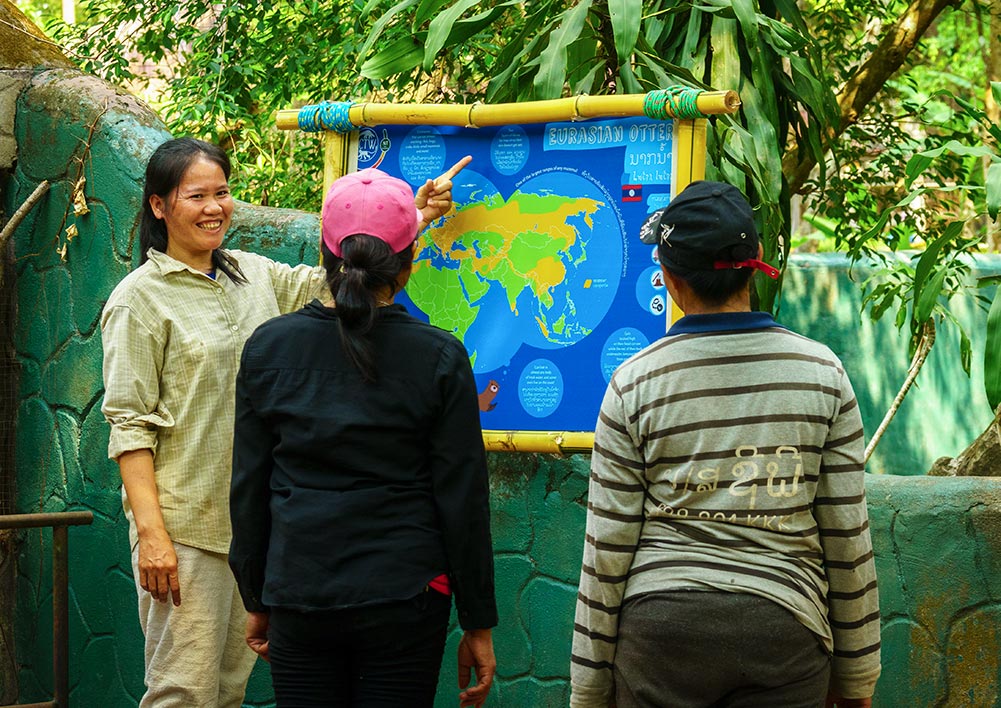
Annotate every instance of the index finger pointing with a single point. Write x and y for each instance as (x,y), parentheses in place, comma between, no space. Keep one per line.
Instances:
(456,168)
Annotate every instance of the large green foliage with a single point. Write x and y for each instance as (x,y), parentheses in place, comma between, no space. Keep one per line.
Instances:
(219,70)
(958,184)
(552,48)
(915,184)
(226,66)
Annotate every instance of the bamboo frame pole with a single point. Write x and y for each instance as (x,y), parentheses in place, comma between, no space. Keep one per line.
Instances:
(479,115)
(335,157)
(561,443)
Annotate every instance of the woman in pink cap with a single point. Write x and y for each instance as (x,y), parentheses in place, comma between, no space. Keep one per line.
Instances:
(359,499)
(172,331)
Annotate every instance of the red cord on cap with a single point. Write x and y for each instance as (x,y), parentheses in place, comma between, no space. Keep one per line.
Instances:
(768,270)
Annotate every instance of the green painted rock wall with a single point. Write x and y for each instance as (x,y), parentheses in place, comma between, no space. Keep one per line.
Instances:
(936,539)
(937,542)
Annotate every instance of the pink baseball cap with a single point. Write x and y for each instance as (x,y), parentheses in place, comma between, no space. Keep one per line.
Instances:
(370,202)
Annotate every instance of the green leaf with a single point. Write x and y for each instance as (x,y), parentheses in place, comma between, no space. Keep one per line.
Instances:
(927,280)
(929,296)
(882,306)
(586,82)
(581,66)
(988,281)
(901,317)
(439,29)
(761,58)
(626,18)
(992,353)
(464,29)
(549,80)
(368,7)
(425,11)
(403,55)
(828,227)
(725,69)
(994,189)
(920,162)
(504,86)
(965,350)
(380,25)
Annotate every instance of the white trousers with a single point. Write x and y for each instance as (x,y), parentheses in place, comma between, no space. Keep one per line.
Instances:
(196,655)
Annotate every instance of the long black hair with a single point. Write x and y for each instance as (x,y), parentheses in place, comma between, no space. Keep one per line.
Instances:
(164,172)
(366,266)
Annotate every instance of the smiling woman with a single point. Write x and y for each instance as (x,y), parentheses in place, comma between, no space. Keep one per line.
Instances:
(173,331)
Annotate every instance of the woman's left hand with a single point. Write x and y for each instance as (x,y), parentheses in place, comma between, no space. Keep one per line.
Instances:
(476,654)
(257,633)
(434,197)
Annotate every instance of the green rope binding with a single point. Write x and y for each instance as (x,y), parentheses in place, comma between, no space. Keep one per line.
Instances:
(672,102)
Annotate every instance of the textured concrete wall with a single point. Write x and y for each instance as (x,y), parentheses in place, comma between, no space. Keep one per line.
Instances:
(938,559)
(67,126)
(935,539)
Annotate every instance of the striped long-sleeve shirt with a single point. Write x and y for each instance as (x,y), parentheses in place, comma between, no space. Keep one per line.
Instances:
(728,456)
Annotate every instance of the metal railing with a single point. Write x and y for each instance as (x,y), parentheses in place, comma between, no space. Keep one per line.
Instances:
(60,593)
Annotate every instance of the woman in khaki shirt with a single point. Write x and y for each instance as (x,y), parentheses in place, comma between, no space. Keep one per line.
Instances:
(173,331)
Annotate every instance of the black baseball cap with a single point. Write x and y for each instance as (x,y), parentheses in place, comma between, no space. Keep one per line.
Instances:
(709,226)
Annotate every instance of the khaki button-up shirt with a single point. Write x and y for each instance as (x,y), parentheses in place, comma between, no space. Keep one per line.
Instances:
(172,343)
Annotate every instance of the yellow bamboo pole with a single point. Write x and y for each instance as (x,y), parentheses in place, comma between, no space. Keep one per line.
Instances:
(698,156)
(335,157)
(561,443)
(479,115)
(690,166)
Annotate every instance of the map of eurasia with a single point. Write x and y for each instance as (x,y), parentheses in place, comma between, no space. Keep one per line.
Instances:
(545,266)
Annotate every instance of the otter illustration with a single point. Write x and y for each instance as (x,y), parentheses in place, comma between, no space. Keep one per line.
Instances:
(487,396)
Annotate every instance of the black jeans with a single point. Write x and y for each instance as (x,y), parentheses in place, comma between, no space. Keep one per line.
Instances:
(380,656)
(716,649)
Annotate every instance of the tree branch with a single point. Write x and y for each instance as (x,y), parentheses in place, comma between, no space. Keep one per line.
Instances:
(22,211)
(925,344)
(893,49)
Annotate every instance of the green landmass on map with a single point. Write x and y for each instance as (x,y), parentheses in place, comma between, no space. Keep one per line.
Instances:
(519,243)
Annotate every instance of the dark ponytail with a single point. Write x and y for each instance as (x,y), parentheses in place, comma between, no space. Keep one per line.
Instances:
(164,172)
(367,265)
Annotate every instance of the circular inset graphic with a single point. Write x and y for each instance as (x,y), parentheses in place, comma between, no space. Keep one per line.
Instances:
(651,293)
(368,146)
(422,155)
(620,345)
(540,388)
(509,149)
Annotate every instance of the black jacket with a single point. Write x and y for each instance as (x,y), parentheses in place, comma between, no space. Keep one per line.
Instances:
(348,493)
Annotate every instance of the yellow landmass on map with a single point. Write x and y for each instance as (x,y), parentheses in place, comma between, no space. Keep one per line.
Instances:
(514,242)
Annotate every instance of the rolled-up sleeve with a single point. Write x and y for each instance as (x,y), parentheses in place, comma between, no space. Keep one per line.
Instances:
(133,357)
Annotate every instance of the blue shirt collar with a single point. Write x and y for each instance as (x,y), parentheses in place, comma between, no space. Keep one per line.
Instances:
(723,322)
